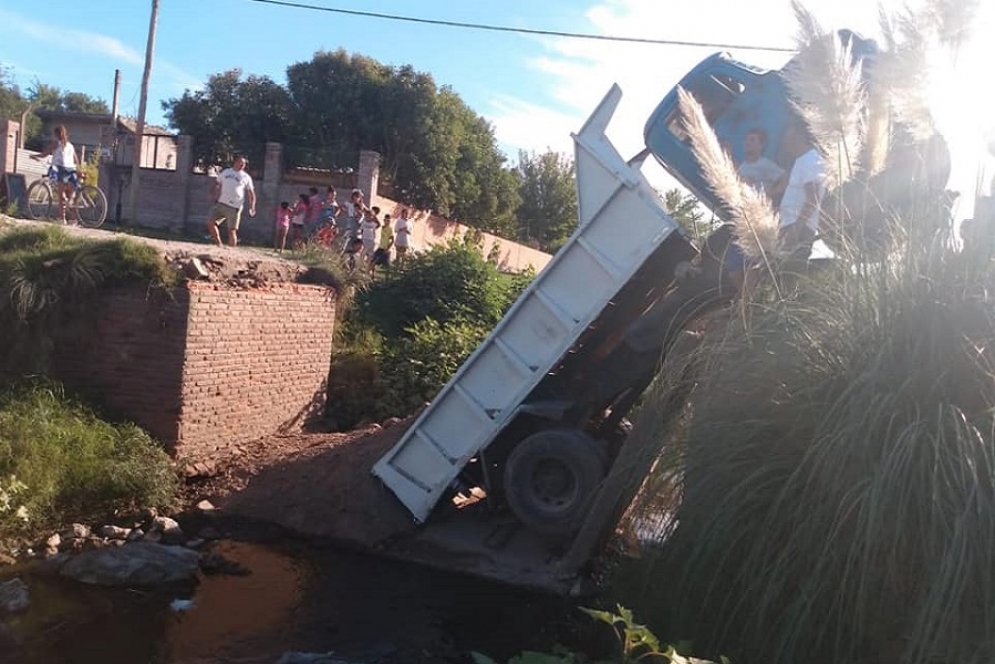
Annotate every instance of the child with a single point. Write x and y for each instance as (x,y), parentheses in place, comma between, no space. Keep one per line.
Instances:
(368,231)
(297,221)
(382,255)
(283,215)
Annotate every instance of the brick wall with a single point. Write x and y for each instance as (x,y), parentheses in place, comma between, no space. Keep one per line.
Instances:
(205,367)
(256,362)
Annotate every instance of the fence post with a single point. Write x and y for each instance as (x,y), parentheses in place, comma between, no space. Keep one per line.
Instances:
(9,130)
(184,168)
(269,190)
(369,173)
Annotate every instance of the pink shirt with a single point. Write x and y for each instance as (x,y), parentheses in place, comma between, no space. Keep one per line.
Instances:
(283,217)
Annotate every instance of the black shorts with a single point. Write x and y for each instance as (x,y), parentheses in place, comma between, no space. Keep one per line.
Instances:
(381,257)
(67,175)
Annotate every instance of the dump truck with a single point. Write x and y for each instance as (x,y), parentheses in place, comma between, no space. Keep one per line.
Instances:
(511,469)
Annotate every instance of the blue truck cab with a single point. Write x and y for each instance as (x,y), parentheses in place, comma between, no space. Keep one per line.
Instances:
(736,97)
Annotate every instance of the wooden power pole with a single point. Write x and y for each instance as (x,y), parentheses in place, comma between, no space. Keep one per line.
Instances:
(136,158)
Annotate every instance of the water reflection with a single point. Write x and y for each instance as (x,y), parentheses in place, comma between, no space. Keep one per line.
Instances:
(295,599)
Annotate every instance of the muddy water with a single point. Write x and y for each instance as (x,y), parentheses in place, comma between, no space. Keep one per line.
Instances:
(298,599)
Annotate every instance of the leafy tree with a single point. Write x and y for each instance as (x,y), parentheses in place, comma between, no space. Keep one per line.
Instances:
(232,114)
(12,102)
(548,212)
(685,210)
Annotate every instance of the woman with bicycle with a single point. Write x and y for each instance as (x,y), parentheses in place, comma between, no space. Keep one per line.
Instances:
(64,161)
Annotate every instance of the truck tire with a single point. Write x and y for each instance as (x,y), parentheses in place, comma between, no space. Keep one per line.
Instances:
(550,479)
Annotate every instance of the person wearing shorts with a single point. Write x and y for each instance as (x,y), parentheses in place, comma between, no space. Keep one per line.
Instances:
(64,161)
(231,189)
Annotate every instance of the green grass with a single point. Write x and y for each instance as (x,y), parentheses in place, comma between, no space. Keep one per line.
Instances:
(49,279)
(73,465)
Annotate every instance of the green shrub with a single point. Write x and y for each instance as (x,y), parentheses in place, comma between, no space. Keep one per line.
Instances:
(447,283)
(71,465)
(48,280)
(405,336)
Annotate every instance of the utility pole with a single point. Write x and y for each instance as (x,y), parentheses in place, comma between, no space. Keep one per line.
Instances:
(140,124)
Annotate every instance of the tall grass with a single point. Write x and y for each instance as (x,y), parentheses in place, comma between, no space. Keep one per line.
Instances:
(48,280)
(831,475)
(837,478)
(73,465)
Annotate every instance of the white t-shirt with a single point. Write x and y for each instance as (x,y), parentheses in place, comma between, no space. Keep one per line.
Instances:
(369,231)
(401,239)
(234,184)
(808,169)
(65,156)
(760,174)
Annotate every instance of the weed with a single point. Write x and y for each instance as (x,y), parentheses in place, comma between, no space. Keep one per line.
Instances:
(70,465)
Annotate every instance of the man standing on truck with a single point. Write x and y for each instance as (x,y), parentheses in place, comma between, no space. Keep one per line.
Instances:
(757,170)
(799,210)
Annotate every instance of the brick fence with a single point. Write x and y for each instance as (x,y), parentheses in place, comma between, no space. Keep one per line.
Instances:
(205,367)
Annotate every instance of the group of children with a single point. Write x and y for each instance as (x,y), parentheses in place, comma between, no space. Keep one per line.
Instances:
(355,227)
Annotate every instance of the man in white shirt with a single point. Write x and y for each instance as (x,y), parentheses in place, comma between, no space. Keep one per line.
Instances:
(799,210)
(757,170)
(231,189)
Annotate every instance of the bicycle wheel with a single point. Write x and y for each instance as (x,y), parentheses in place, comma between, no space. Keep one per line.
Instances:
(91,206)
(41,203)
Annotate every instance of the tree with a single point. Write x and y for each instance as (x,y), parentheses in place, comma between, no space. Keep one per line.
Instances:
(548,212)
(232,115)
(685,210)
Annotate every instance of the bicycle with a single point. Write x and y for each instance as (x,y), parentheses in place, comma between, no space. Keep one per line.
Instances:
(87,200)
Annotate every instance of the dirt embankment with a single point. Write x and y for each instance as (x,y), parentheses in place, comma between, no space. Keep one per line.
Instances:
(312,484)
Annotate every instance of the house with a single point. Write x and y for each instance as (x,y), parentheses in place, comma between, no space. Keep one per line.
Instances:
(116,141)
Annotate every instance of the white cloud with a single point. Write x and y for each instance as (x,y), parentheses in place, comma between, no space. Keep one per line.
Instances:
(575,74)
(80,41)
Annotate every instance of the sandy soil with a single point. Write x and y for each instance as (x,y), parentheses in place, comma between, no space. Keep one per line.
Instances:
(312,484)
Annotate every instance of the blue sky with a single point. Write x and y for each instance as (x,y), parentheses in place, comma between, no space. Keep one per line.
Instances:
(534,90)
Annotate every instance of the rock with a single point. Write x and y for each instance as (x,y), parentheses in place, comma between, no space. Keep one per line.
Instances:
(135,535)
(195,543)
(138,564)
(114,532)
(14,596)
(54,542)
(77,531)
(7,559)
(391,422)
(205,506)
(215,563)
(168,528)
(200,469)
(194,269)
(309,658)
(209,533)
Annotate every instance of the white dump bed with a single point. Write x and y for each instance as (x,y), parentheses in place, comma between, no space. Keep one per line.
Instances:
(622,221)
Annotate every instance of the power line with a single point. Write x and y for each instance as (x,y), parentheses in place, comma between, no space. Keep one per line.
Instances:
(526,31)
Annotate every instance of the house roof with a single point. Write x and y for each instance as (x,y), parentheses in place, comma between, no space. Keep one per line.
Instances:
(123,122)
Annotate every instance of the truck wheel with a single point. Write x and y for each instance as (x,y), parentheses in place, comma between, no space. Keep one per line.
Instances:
(550,479)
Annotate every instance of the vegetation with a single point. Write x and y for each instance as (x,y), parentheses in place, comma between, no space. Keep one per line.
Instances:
(60,462)
(548,211)
(636,643)
(404,337)
(829,490)
(14,102)
(47,276)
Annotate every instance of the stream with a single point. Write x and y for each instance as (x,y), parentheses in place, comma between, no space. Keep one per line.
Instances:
(297,598)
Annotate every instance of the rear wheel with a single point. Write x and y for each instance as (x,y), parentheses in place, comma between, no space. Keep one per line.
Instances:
(91,206)
(42,204)
(550,479)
